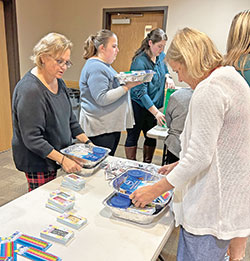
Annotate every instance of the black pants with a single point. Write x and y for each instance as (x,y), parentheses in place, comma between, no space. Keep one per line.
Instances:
(171,158)
(144,121)
(107,140)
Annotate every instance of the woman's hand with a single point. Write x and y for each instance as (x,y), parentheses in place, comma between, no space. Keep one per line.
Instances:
(70,166)
(169,84)
(160,117)
(167,168)
(143,196)
(130,85)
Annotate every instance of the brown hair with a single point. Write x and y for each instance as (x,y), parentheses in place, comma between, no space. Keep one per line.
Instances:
(155,36)
(91,45)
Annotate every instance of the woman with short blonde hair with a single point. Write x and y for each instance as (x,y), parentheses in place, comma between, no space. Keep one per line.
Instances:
(206,56)
(52,44)
(211,180)
(43,119)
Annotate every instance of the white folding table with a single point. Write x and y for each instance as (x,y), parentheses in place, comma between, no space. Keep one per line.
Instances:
(103,238)
(159,133)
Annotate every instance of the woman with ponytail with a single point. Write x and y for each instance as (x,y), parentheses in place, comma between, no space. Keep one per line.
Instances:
(105,105)
(147,98)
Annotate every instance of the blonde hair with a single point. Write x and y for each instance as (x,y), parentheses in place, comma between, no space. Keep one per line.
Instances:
(52,44)
(195,50)
(91,45)
(238,42)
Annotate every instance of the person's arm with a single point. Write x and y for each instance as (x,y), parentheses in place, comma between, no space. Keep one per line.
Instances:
(166,169)
(160,117)
(207,110)
(145,195)
(67,164)
(83,138)
(99,86)
(205,131)
(31,114)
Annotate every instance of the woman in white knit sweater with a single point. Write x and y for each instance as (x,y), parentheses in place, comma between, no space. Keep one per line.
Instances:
(212,179)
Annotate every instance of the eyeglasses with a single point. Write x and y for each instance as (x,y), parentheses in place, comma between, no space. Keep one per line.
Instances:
(61,62)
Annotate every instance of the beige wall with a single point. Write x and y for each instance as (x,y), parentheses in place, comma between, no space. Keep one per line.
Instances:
(33,21)
(79,18)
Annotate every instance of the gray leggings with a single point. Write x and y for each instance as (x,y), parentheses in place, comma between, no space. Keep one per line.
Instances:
(200,248)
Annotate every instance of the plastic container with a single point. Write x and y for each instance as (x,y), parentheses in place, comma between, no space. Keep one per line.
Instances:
(144,217)
(132,179)
(135,76)
(85,155)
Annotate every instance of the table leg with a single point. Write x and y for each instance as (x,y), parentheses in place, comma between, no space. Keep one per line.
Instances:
(164,154)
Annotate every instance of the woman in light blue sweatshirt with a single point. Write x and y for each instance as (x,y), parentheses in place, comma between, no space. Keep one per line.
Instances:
(105,105)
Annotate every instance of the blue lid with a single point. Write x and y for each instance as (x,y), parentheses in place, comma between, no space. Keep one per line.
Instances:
(97,150)
(120,201)
(92,157)
(136,173)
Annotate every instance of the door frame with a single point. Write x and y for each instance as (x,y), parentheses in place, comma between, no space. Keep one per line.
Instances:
(11,42)
(107,12)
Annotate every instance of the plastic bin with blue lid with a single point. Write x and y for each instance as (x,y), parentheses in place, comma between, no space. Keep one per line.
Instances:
(88,156)
(122,207)
(132,179)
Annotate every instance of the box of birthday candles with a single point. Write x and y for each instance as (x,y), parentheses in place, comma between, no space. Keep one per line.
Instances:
(8,247)
(30,241)
(37,254)
(58,234)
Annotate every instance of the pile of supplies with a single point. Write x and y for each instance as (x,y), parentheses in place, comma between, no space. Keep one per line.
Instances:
(73,181)
(61,201)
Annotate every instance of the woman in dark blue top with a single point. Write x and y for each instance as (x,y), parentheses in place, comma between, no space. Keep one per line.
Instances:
(148,97)
(43,119)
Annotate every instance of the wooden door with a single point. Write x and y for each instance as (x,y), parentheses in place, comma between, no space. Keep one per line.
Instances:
(131,35)
(5,102)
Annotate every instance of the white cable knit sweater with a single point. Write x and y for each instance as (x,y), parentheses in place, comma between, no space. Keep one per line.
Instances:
(212,179)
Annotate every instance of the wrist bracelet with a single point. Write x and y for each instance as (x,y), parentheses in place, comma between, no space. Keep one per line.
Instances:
(156,113)
(88,141)
(62,160)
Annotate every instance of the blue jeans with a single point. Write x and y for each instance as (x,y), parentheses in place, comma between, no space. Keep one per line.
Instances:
(200,248)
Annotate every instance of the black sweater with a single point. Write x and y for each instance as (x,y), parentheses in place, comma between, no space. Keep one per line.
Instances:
(42,121)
